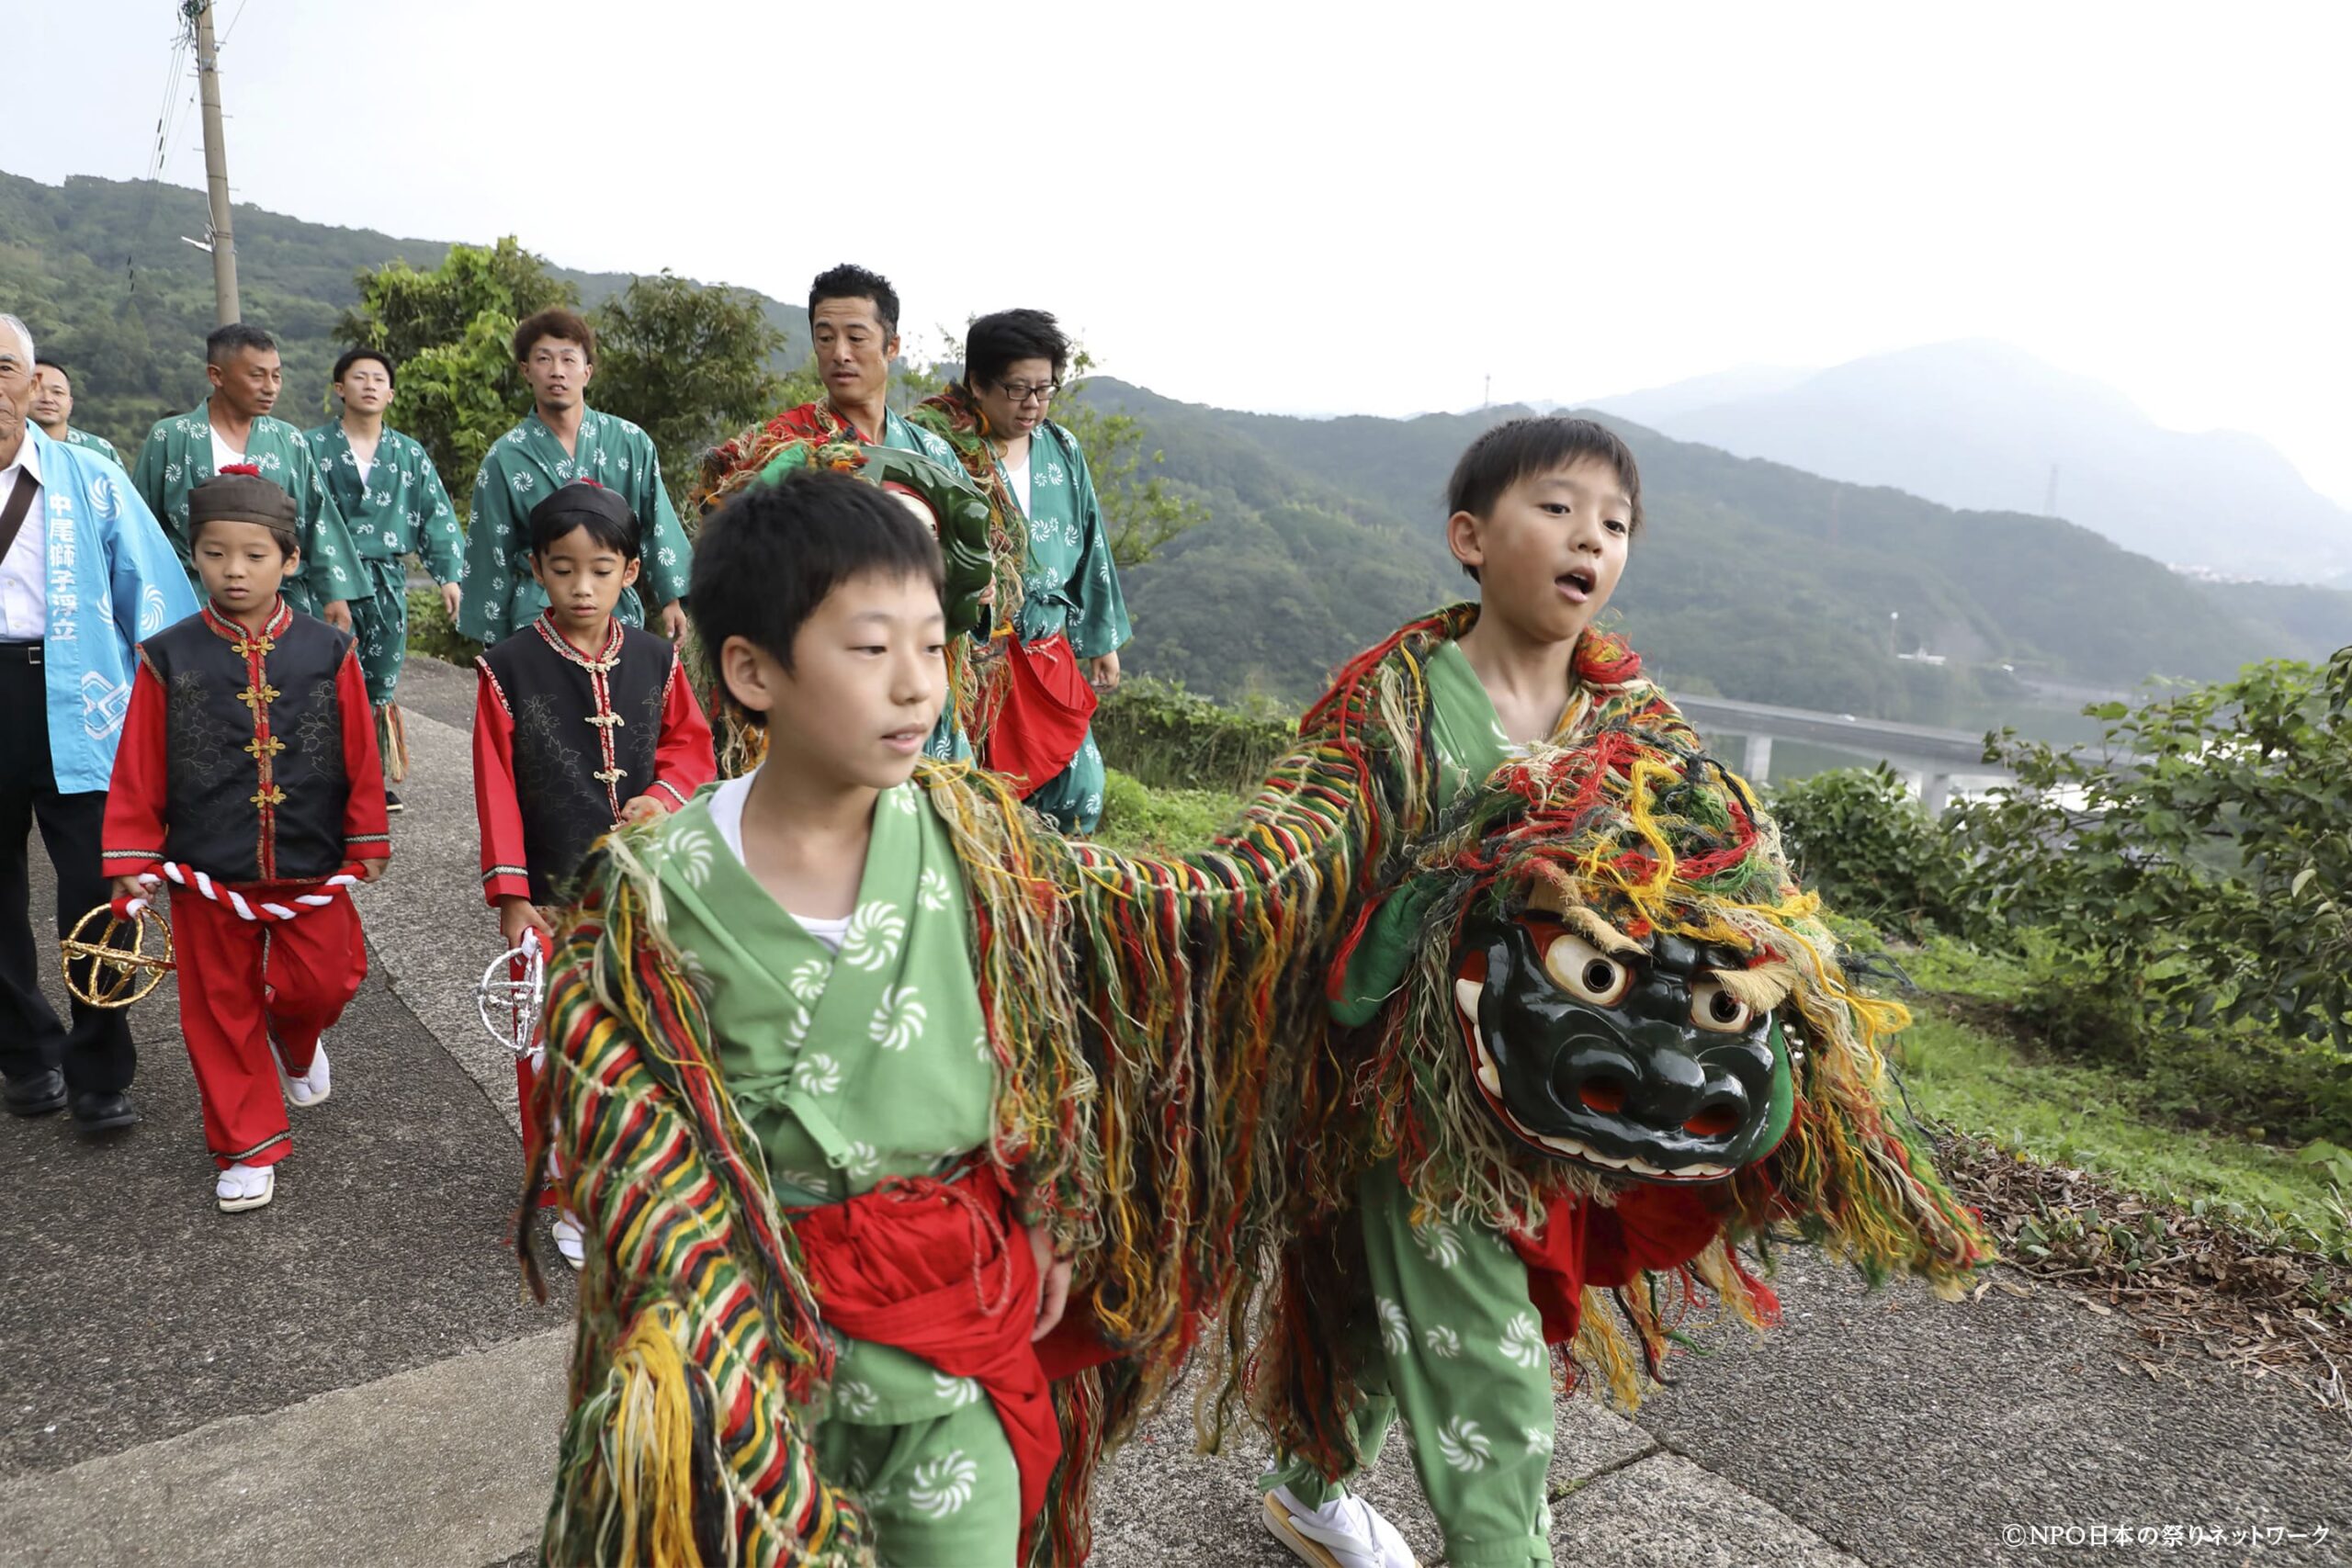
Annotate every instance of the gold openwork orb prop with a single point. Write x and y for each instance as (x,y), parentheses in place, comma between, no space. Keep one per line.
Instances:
(118,975)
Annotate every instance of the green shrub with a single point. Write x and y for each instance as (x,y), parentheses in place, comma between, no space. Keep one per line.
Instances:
(1171,739)
(2194,866)
(1137,818)
(430,633)
(1856,837)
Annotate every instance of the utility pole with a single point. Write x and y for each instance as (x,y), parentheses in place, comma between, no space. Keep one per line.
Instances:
(216,165)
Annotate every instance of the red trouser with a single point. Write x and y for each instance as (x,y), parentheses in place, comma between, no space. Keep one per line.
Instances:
(240,980)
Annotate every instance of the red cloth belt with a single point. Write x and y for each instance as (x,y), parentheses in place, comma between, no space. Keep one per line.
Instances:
(1583,1243)
(1047,705)
(940,1270)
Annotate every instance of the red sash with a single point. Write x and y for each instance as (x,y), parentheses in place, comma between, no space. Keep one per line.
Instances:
(940,1270)
(1047,705)
(1651,1227)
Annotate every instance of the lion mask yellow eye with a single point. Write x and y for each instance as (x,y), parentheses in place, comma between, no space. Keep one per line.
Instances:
(1585,972)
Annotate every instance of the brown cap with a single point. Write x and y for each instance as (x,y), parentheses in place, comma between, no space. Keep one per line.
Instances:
(238,494)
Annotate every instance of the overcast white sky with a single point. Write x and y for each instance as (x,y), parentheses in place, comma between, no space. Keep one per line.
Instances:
(1299,207)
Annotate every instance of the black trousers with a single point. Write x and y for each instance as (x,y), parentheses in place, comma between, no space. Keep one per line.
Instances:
(97,1054)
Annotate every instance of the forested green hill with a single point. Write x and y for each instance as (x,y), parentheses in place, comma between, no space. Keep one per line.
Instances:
(100,271)
(1753,579)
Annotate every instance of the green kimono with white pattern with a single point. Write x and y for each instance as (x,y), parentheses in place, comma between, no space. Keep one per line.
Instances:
(904,434)
(1462,1347)
(99,443)
(178,458)
(522,469)
(948,742)
(399,508)
(1069,585)
(851,1068)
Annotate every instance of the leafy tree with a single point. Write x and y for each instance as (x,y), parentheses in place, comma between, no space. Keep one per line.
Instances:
(1141,513)
(687,363)
(448,333)
(2197,861)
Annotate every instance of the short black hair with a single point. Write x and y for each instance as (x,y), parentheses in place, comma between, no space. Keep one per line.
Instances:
(848,282)
(352,356)
(765,561)
(997,343)
(616,529)
(1518,447)
(224,344)
(560,323)
(43,362)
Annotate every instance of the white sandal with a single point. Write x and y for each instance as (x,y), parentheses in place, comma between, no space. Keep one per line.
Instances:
(242,1187)
(312,1086)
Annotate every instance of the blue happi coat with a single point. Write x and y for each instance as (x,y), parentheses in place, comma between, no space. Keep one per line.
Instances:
(113,580)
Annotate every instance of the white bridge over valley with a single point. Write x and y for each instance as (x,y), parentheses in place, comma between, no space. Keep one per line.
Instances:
(1928,759)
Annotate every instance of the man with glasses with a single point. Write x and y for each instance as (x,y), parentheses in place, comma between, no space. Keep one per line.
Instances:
(1065,621)
(560,440)
(85,572)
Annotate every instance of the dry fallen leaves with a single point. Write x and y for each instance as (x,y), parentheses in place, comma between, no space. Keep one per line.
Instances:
(2186,1281)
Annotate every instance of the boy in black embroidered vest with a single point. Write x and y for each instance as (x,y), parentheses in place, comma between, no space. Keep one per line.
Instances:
(581,723)
(248,760)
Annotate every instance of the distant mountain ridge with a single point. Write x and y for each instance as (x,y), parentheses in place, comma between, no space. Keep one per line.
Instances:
(1753,578)
(1981,424)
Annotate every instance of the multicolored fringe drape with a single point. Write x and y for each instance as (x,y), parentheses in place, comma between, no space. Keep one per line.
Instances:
(954,417)
(968,524)
(1177,1104)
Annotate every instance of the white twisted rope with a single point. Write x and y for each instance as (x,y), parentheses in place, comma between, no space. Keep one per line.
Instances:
(246,909)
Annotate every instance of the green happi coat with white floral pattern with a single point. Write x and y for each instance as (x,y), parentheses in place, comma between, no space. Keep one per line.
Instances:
(522,469)
(1068,585)
(398,509)
(178,456)
(1460,1350)
(851,1068)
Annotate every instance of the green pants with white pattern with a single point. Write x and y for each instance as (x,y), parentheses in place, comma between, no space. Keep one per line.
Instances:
(1461,1354)
(942,1493)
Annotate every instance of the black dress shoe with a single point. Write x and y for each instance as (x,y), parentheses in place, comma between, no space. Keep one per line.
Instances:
(392,802)
(103,1112)
(38,1095)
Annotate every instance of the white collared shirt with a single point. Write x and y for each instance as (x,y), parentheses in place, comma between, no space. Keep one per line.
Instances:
(24,574)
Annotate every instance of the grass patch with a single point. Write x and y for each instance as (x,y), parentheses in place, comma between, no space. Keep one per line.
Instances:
(1137,818)
(2093,1117)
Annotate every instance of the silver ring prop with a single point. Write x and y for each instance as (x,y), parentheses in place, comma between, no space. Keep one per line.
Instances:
(512,990)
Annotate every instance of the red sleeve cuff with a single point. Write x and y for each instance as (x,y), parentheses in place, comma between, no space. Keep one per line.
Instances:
(506,882)
(128,862)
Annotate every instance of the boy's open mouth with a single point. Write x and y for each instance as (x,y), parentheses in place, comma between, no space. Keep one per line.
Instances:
(1576,582)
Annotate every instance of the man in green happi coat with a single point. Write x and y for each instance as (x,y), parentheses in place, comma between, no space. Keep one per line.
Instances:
(1063,630)
(854,326)
(233,426)
(391,499)
(560,440)
(53,409)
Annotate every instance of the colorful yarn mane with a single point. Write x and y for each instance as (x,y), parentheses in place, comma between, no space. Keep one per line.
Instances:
(966,519)
(1174,1086)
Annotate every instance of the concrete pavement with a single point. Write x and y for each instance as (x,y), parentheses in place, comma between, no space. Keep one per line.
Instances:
(354,1375)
